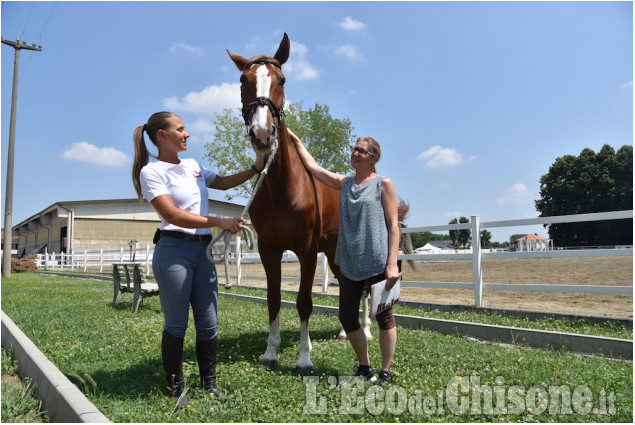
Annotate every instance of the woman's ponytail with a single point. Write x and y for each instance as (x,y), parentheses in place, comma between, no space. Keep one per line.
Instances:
(141,158)
(157,121)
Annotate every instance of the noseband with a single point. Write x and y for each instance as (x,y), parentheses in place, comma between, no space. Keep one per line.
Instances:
(277,113)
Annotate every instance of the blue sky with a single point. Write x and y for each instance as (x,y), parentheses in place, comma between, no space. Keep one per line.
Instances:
(471,101)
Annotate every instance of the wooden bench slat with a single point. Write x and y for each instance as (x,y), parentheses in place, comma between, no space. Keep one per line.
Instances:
(134,283)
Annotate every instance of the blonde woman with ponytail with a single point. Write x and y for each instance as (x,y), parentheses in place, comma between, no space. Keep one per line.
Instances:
(177,189)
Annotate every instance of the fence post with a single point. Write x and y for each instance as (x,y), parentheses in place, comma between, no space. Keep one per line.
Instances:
(478,269)
(238,261)
(73,261)
(101,260)
(325,273)
(147,259)
(46,254)
(121,256)
(85,259)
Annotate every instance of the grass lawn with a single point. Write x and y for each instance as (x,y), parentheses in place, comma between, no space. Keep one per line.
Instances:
(114,358)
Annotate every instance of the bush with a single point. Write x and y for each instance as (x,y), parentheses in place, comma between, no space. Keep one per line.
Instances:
(20,265)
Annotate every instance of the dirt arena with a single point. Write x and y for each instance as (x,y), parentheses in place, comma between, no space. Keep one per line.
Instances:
(610,271)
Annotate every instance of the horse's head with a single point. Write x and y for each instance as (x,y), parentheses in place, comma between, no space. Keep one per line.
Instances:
(262,95)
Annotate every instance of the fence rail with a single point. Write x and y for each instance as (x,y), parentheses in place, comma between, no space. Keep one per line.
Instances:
(101,261)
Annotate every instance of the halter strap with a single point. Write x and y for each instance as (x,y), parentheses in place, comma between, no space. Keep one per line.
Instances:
(278,114)
(262,61)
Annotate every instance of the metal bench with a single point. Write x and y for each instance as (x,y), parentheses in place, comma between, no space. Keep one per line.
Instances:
(134,281)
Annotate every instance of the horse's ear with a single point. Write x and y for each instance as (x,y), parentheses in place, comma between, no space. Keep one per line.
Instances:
(239,61)
(283,51)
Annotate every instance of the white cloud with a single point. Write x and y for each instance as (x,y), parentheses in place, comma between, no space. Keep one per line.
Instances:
(518,194)
(298,49)
(91,154)
(178,47)
(208,101)
(298,66)
(302,70)
(627,85)
(201,125)
(349,51)
(350,24)
(454,214)
(439,157)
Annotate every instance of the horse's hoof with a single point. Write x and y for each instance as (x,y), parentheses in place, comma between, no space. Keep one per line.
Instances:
(302,370)
(269,363)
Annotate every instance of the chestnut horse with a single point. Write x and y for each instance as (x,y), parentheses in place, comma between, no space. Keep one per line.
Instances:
(291,210)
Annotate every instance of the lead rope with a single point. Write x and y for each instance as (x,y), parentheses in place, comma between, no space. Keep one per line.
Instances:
(249,236)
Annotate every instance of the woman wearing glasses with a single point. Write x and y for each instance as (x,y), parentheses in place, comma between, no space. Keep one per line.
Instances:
(367,246)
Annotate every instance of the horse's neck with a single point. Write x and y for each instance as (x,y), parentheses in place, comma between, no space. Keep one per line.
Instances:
(287,162)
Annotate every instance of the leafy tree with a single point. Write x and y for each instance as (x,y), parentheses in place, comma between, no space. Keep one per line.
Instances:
(454,234)
(464,234)
(589,183)
(421,239)
(326,138)
(486,237)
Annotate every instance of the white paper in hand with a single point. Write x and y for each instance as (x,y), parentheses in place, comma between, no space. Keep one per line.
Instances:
(380,299)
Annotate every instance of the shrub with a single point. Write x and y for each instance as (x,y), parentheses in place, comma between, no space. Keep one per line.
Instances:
(20,265)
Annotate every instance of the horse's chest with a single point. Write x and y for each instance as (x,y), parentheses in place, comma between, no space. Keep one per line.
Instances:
(278,208)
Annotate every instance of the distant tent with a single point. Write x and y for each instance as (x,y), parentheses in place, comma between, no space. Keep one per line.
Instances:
(428,249)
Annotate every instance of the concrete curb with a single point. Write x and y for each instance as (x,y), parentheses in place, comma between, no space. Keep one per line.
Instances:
(61,400)
(577,343)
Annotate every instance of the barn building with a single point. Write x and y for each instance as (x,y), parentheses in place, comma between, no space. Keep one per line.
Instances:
(78,226)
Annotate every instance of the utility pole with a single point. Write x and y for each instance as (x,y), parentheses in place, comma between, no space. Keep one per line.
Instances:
(8,202)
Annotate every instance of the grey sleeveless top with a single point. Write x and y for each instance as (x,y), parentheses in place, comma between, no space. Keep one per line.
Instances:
(362,242)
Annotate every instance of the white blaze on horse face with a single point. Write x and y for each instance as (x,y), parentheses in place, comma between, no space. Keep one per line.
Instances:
(259,122)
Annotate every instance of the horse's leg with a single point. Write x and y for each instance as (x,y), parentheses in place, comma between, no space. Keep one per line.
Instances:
(271,263)
(366,318)
(365,322)
(304,304)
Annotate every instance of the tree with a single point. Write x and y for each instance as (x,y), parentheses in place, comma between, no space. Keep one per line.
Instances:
(486,237)
(421,239)
(454,234)
(464,234)
(326,138)
(589,183)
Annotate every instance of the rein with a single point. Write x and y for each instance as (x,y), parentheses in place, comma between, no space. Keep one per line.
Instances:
(249,236)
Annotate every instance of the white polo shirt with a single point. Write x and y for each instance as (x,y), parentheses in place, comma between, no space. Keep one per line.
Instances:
(185,182)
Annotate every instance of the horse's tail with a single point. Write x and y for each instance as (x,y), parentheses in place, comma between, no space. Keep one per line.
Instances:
(405,241)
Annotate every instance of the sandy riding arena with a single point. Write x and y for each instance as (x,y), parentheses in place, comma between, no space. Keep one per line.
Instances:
(610,271)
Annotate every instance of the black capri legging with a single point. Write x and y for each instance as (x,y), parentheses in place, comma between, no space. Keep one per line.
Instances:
(350,296)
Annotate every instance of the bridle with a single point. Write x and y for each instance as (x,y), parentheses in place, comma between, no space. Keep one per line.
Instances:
(277,113)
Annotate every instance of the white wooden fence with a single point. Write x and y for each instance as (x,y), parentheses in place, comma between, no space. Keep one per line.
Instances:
(101,261)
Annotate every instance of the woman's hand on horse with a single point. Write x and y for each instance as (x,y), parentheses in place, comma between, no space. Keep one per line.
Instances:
(295,139)
(233,224)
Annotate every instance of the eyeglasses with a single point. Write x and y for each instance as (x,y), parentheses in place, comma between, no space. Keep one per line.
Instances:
(361,151)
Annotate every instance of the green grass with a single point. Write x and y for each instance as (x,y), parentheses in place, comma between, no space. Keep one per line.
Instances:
(73,323)
(19,398)
(610,329)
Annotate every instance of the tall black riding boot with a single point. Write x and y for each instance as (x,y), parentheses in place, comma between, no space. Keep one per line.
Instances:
(172,353)
(206,357)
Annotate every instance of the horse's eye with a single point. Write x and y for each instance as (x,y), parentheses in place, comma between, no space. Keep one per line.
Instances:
(243,80)
(281,83)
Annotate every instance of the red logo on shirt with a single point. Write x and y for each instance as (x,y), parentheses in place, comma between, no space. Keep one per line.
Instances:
(197,175)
